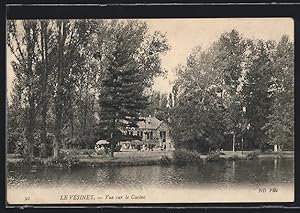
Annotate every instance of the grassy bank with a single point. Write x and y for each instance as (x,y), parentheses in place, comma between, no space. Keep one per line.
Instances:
(133,158)
(86,160)
(246,154)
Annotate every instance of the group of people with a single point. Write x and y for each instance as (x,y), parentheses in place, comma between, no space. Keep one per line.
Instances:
(104,148)
(148,147)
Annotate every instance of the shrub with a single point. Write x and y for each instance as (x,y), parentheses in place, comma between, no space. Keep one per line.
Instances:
(184,156)
(88,152)
(77,152)
(253,154)
(64,161)
(19,149)
(257,151)
(234,157)
(213,157)
(101,152)
(69,152)
(118,148)
(165,160)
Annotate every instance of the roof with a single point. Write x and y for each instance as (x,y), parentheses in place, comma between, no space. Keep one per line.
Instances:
(151,123)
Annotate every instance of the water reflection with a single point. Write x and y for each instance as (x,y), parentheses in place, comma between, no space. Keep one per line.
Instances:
(225,174)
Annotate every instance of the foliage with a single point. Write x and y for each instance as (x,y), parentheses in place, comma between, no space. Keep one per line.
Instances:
(122,96)
(209,101)
(236,86)
(16,138)
(165,160)
(234,158)
(60,67)
(197,116)
(64,161)
(253,155)
(229,59)
(78,81)
(256,91)
(186,157)
(159,106)
(25,51)
(280,125)
(213,156)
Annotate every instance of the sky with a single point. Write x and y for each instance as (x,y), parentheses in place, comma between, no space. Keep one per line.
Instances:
(185,34)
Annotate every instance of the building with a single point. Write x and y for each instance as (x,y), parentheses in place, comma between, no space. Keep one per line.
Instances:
(152,131)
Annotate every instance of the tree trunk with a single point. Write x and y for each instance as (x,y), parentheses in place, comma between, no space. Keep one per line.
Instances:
(275,148)
(112,144)
(44,132)
(31,96)
(28,150)
(233,142)
(44,40)
(59,95)
(112,147)
(72,124)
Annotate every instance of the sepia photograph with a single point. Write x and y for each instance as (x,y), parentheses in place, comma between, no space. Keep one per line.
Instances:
(137,111)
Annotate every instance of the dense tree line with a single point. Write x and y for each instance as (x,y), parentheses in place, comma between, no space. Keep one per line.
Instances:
(75,79)
(78,81)
(238,88)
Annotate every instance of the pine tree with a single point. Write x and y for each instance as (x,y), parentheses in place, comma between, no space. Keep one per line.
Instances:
(132,61)
(121,90)
(122,97)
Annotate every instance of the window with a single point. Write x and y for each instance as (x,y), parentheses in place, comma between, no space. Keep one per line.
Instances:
(163,135)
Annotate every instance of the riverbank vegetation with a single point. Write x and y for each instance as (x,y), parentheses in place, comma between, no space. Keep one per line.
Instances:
(184,157)
(181,157)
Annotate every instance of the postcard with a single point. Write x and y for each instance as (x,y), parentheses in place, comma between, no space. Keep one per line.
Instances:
(137,111)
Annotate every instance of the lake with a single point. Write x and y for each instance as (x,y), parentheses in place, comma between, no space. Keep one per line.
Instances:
(225,175)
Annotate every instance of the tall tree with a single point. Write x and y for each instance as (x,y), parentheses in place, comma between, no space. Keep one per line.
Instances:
(22,40)
(256,92)
(45,70)
(280,125)
(229,53)
(197,114)
(122,95)
(72,37)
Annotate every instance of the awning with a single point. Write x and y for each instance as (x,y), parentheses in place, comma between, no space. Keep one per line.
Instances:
(102,142)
